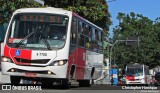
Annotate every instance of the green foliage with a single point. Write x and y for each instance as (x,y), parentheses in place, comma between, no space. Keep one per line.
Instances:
(7,7)
(148,52)
(95,11)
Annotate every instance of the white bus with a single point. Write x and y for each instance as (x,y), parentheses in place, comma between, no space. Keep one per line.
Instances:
(52,45)
(137,74)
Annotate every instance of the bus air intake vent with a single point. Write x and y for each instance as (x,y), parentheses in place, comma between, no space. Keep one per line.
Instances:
(39,61)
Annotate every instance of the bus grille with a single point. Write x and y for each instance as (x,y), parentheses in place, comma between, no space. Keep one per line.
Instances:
(132,79)
(40,61)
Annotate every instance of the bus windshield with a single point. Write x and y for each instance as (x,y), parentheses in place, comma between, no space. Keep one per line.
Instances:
(134,71)
(38,31)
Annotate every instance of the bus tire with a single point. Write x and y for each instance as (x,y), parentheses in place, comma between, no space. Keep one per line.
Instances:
(146,84)
(65,83)
(47,82)
(85,83)
(15,80)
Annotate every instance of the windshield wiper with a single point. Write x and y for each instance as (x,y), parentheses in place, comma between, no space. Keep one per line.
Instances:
(45,41)
(30,34)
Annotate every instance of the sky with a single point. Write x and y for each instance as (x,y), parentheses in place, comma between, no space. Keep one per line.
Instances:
(148,8)
(40,1)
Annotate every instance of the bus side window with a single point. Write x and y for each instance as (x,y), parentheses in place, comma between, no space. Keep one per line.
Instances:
(93,34)
(87,37)
(146,70)
(81,40)
(89,31)
(100,47)
(96,34)
(87,42)
(83,28)
(99,35)
(94,41)
(74,31)
(86,30)
(80,31)
(79,26)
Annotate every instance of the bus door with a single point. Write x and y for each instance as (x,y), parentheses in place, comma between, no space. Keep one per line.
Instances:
(81,55)
(81,59)
(72,60)
(73,52)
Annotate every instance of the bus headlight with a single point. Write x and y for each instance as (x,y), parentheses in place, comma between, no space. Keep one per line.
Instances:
(5,59)
(58,63)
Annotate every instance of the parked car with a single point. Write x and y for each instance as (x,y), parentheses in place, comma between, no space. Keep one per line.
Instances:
(153,81)
(157,78)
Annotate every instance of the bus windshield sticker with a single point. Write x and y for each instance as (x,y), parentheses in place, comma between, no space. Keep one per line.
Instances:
(16,40)
(35,45)
(18,52)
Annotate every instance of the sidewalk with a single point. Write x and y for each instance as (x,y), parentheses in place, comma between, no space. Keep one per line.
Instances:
(104,79)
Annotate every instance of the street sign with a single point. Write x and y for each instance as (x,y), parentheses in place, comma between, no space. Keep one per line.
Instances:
(132,41)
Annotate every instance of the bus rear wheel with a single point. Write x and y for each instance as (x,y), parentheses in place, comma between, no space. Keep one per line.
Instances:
(85,83)
(15,80)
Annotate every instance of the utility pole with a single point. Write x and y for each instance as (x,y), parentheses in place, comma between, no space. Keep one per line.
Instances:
(110,55)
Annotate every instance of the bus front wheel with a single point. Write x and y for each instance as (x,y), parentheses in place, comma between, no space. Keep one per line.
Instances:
(15,80)
(65,83)
(46,82)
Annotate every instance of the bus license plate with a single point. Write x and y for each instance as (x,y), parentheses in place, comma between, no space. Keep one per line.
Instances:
(30,74)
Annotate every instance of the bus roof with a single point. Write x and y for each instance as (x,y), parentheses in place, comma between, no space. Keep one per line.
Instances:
(55,11)
(136,65)
(44,10)
(87,21)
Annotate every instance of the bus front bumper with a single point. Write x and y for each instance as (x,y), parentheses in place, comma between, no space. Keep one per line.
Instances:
(34,71)
(135,82)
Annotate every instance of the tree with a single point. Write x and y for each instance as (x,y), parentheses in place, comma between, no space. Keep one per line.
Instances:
(138,26)
(95,11)
(7,7)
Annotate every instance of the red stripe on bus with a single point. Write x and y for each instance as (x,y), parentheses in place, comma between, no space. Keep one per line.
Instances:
(77,57)
(80,71)
(6,51)
(11,53)
(130,78)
